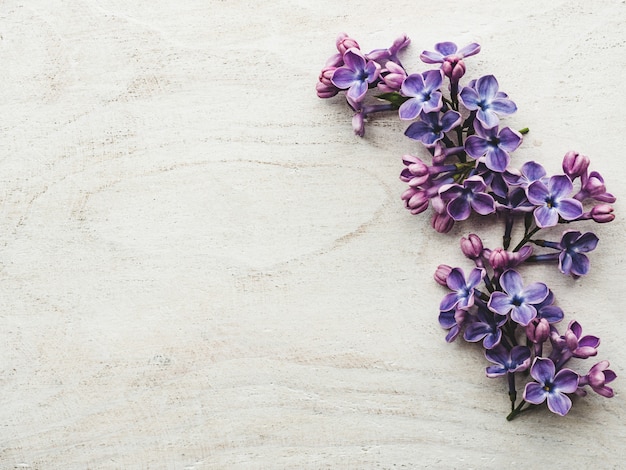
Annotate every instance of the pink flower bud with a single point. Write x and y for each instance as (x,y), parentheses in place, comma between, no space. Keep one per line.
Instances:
(453,67)
(472,246)
(602,213)
(326,75)
(442,223)
(575,164)
(345,42)
(594,185)
(441,274)
(499,259)
(538,330)
(358,124)
(325,91)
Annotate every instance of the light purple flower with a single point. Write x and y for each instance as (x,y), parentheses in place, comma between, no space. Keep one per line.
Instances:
(462,296)
(462,199)
(432,127)
(597,378)
(571,259)
(487,328)
(593,187)
(517,299)
(580,346)
(553,201)
(493,144)
(423,92)
(550,386)
(485,98)
(356,74)
(515,360)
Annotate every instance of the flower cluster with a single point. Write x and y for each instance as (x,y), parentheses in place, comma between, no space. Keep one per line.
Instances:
(459,124)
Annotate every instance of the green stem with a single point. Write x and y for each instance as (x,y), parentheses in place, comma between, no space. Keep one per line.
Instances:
(517,411)
(526,239)
(523,131)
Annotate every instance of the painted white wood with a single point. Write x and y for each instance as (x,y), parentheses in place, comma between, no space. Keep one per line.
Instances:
(202,267)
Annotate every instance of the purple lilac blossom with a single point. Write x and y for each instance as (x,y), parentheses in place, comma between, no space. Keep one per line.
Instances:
(472,246)
(575,165)
(453,321)
(462,296)
(390,54)
(485,98)
(356,74)
(423,92)
(441,220)
(516,299)
(462,199)
(392,77)
(550,386)
(573,245)
(487,328)
(515,360)
(432,127)
(599,375)
(450,57)
(593,187)
(495,145)
(501,260)
(602,214)
(529,173)
(552,201)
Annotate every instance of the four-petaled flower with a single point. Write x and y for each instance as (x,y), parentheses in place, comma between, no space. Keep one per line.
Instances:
(493,144)
(516,299)
(431,127)
(462,296)
(462,199)
(450,57)
(597,378)
(551,386)
(487,328)
(423,92)
(552,201)
(485,98)
(573,245)
(515,360)
(356,74)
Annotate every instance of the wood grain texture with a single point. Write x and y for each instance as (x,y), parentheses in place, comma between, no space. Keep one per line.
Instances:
(203,268)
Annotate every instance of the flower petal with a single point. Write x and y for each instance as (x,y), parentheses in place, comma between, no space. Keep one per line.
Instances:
(431,57)
(534,393)
(488,118)
(432,80)
(475,277)
(546,216)
(500,303)
(410,109)
(413,85)
(476,146)
(487,87)
(523,314)
(357,90)
(470,98)
(512,282)
(497,159)
(483,203)
(537,193)
(469,50)
(535,293)
(560,186)
(566,381)
(542,370)
(580,265)
(559,403)
(509,139)
(455,280)
(344,77)
(459,209)
(449,301)
(587,242)
(446,48)
(503,106)
(417,130)
(449,120)
(570,209)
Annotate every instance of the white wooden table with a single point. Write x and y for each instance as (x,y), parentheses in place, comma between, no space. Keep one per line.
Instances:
(203,268)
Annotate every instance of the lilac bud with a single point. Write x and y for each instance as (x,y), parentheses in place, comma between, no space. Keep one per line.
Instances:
(392,81)
(499,259)
(441,274)
(538,330)
(594,185)
(453,67)
(472,246)
(575,164)
(358,124)
(399,44)
(602,213)
(326,75)
(345,42)
(416,200)
(325,91)
(442,223)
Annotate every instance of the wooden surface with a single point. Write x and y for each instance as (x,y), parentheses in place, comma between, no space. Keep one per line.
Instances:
(203,268)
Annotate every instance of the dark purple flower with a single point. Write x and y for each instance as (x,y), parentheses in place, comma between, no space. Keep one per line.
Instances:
(450,57)
(462,199)
(517,299)
(494,145)
(462,296)
(515,360)
(432,127)
(548,311)
(485,98)
(485,328)
(597,378)
(572,344)
(550,386)
(356,74)
(453,321)
(423,92)
(553,201)
(571,259)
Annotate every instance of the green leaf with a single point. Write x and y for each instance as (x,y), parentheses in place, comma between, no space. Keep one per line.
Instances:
(394,98)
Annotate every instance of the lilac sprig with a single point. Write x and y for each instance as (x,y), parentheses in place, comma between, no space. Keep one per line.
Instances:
(468,173)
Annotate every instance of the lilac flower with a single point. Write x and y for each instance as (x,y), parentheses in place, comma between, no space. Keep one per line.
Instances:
(356,74)
(462,296)
(462,199)
(453,321)
(450,58)
(553,201)
(391,54)
(493,144)
(516,299)
(575,164)
(487,328)
(485,98)
(550,386)
(571,259)
(432,127)
(501,260)
(423,92)
(593,187)
(572,344)
(597,378)
(515,360)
